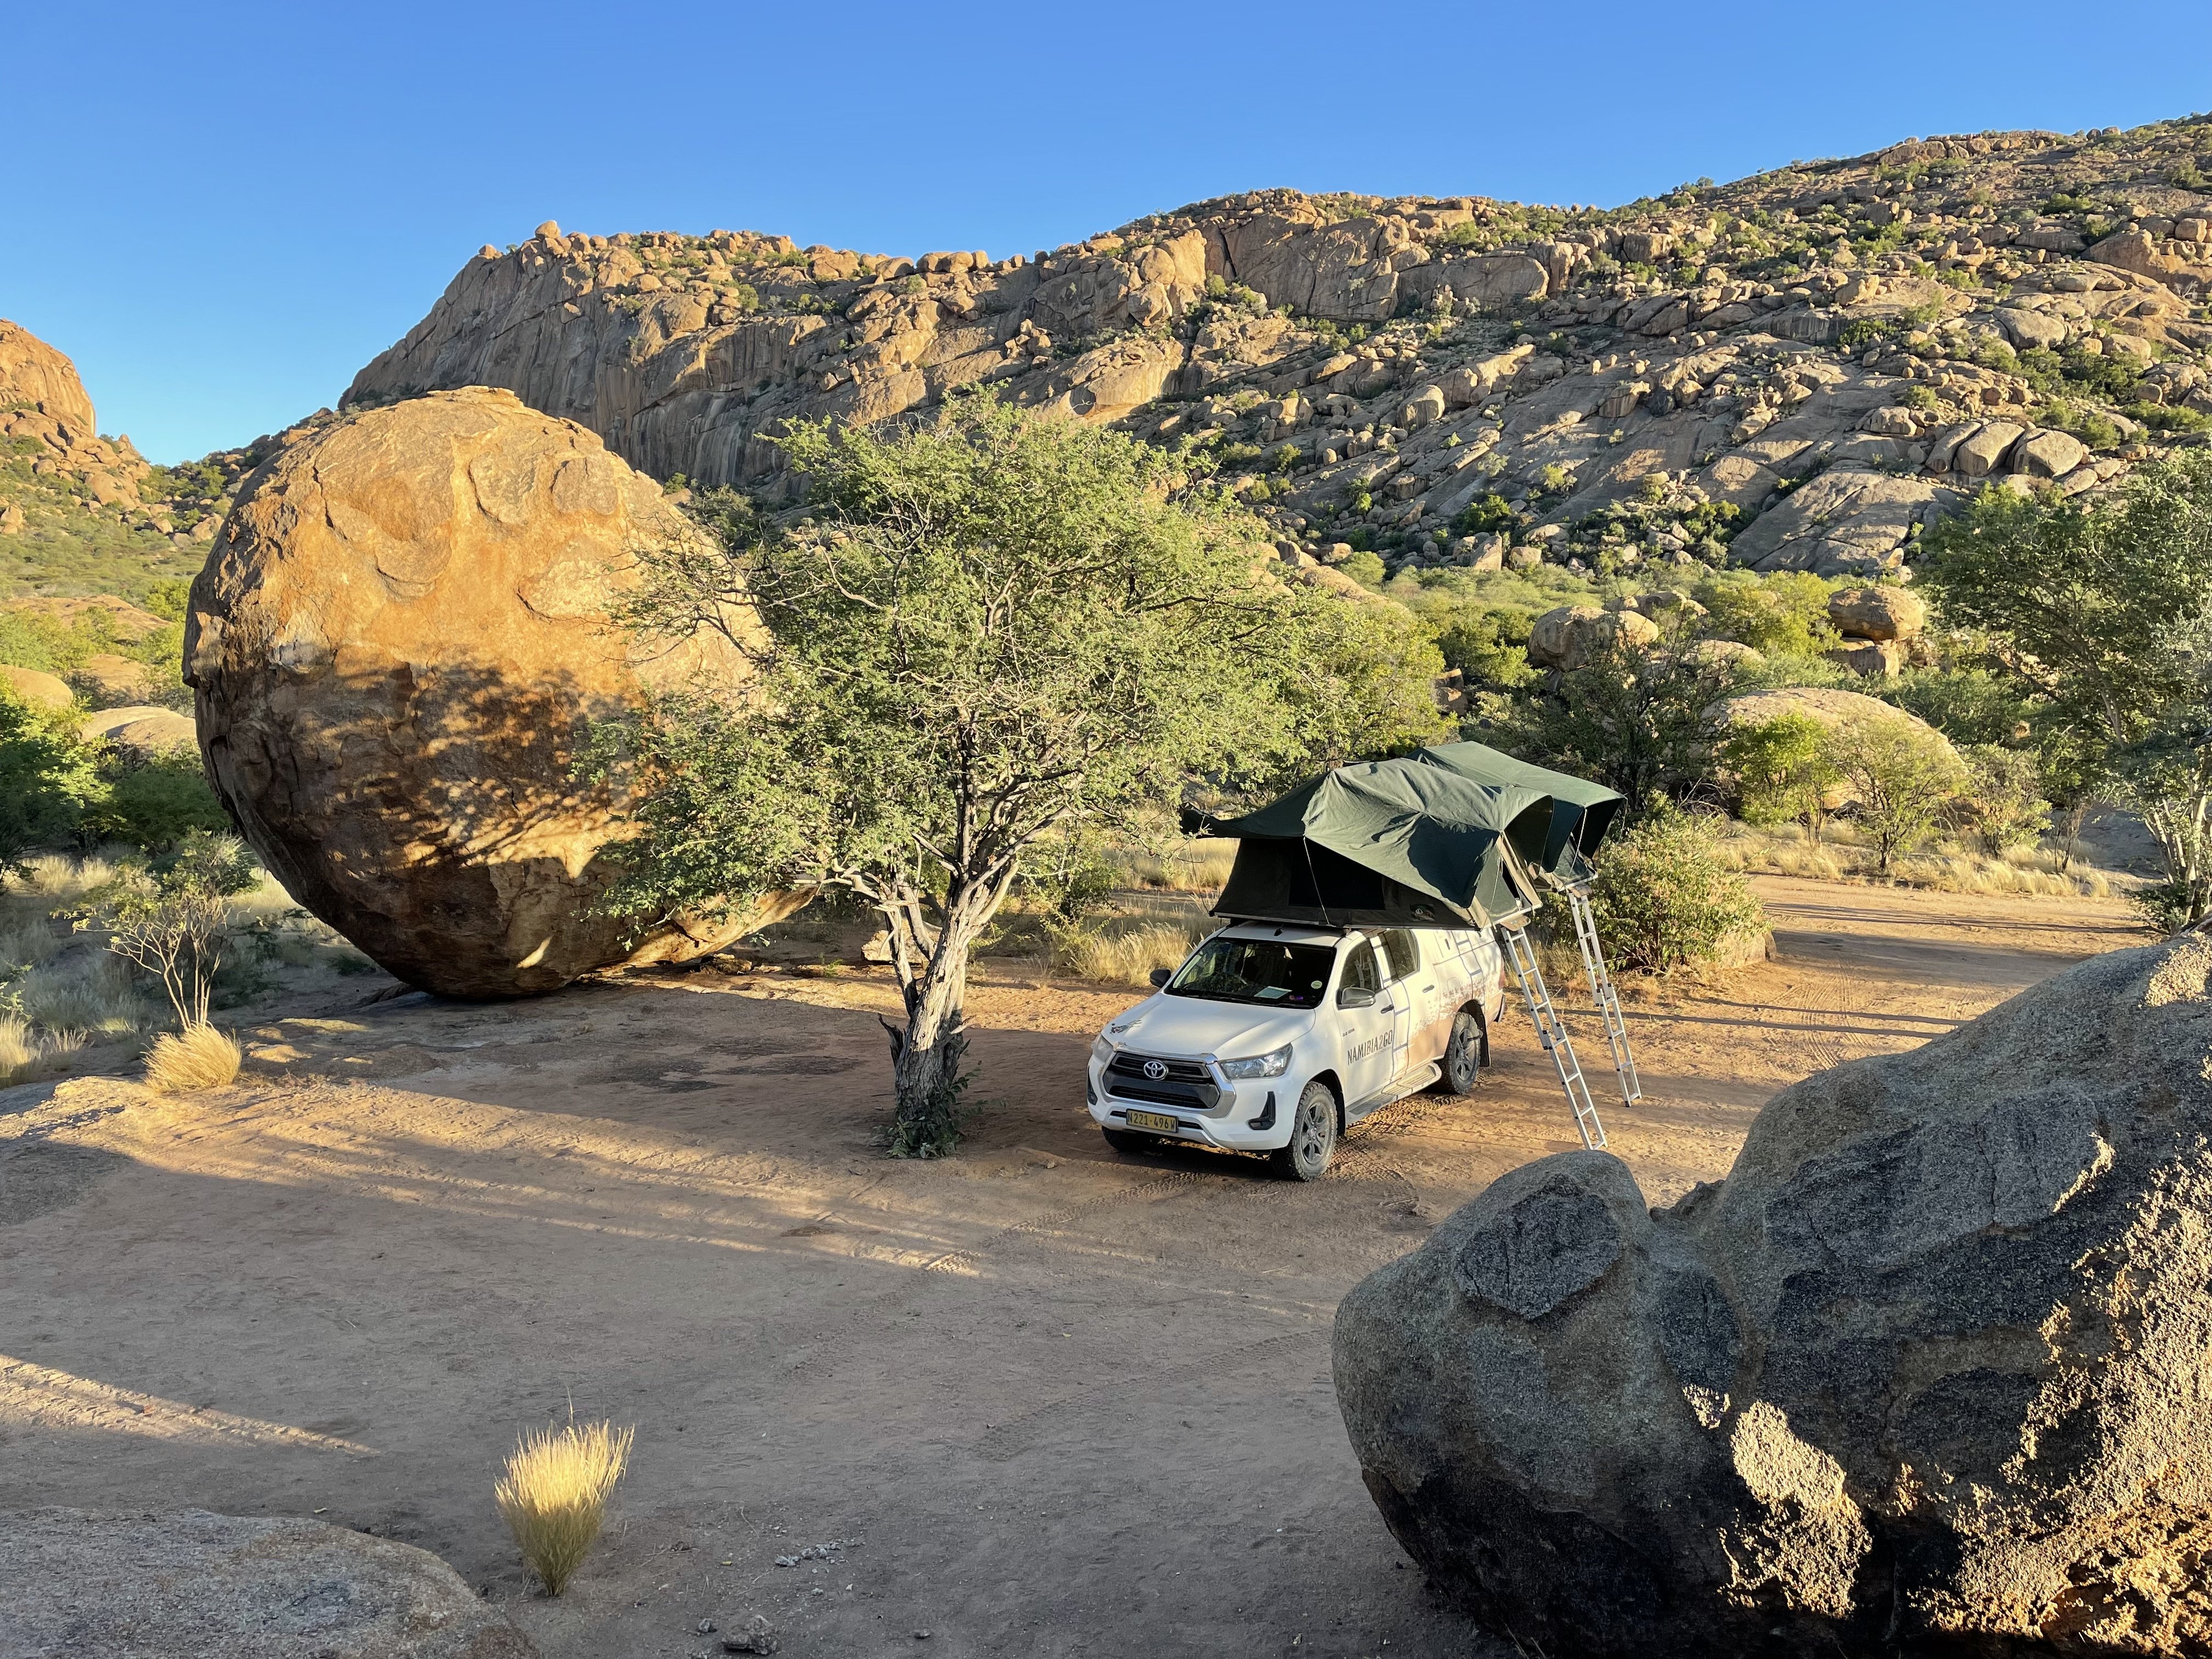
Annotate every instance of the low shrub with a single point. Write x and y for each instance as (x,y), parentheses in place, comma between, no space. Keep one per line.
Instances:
(1664,899)
(553,1495)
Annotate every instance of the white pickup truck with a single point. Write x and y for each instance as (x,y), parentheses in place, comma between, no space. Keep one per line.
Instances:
(1274,1037)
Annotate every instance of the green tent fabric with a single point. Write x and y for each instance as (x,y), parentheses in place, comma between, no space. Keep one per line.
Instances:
(1390,843)
(1582,812)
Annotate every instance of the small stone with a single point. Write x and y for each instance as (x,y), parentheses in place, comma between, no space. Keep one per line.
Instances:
(921,1636)
(706,1628)
(758,1636)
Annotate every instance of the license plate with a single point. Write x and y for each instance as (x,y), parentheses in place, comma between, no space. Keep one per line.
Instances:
(1153,1120)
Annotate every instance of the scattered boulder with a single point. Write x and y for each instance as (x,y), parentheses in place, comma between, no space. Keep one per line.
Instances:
(1923,1375)
(144,730)
(142,1586)
(403,638)
(36,687)
(1877,659)
(108,681)
(1573,635)
(2048,454)
(1877,613)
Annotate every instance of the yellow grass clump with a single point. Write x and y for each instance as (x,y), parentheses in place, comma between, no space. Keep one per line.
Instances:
(1196,866)
(1127,955)
(197,1057)
(554,1495)
(19,1051)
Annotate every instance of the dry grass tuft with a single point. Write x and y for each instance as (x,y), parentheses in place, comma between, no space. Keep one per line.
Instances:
(197,1057)
(1943,869)
(1197,866)
(19,1051)
(554,1495)
(1128,954)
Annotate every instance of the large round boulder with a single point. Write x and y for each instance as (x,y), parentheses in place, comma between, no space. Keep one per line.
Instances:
(407,631)
(1572,636)
(1925,1374)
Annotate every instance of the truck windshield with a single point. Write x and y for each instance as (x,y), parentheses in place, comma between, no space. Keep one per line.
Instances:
(1255,970)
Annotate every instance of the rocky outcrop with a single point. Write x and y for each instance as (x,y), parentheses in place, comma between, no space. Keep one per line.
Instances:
(1923,1375)
(163,1586)
(44,402)
(405,634)
(1834,350)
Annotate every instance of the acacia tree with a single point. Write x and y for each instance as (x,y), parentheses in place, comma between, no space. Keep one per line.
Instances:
(2105,609)
(983,634)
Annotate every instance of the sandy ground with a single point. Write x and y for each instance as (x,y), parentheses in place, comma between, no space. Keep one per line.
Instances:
(1040,1399)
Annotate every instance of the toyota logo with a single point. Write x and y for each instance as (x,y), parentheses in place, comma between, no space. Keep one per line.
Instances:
(1155,1069)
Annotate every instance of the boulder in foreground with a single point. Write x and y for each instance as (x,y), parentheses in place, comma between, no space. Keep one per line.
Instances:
(1925,1374)
(192,1585)
(404,635)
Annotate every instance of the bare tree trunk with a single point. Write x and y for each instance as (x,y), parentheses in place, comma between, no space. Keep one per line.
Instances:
(926,1070)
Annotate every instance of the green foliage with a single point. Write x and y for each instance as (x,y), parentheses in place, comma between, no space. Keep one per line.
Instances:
(1967,705)
(155,803)
(1488,647)
(1637,722)
(1903,778)
(1486,515)
(48,778)
(1781,771)
(1365,568)
(990,632)
(1662,899)
(1782,614)
(2003,796)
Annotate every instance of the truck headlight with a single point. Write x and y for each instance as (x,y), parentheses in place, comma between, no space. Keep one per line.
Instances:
(1102,1051)
(1270,1065)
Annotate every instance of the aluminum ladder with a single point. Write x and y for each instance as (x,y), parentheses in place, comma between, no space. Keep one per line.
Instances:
(1608,1001)
(1521,952)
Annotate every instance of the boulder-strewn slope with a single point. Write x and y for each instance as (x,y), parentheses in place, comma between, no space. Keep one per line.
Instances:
(80,512)
(1811,361)
(1924,1374)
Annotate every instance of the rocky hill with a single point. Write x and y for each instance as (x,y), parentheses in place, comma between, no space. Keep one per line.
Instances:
(1794,371)
(81,513)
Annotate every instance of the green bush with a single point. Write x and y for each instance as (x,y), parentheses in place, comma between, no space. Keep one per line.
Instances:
(1903,777)
(1967,705)
(1784,614)
(48,778)
(156,804)
(1663,900)
(1486,515)
(1488,647)
(1365,568)
(1781,771)
(2003,798)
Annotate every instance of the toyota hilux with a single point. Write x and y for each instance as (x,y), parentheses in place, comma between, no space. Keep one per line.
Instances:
(1274,1038)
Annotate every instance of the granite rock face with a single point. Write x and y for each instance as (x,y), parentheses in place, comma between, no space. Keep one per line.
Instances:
(192,1585)
(401,638)
(1372,367)
(1923,1375)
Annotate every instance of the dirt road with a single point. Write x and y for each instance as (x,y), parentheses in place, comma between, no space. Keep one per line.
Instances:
(1041,1399)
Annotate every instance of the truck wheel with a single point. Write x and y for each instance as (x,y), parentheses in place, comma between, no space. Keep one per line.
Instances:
(1131,1142)
(1313,1135)
(1462,1054)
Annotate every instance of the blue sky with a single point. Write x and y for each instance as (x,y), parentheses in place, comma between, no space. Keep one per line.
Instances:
(221,211)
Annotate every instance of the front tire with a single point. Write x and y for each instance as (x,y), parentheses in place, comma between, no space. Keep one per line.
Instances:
(1131,1143)
(1313,1135)
(1462,1059)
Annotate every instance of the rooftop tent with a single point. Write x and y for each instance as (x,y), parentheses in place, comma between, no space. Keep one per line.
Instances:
(1582,812)
(1390,843)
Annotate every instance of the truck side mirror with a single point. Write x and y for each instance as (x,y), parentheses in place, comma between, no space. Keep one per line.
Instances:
(1160,976)
(1355,996)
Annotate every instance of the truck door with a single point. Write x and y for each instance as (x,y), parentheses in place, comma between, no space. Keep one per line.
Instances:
(1423,1025)
(1369,1050)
